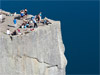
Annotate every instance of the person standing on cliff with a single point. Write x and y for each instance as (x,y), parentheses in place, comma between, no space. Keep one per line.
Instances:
(25,12)
(39,17)
(22,14)
(15,22)
(34,21)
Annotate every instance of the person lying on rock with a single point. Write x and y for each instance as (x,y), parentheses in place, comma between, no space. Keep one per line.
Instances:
(46,21)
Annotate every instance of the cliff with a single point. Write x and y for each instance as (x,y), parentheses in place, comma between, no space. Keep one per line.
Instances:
(39,52)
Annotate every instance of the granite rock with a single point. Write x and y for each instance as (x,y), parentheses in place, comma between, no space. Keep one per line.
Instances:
(39,52)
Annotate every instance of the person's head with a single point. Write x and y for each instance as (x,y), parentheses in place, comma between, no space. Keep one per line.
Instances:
(25,9)
(7,29)
(14,17)
(14,30)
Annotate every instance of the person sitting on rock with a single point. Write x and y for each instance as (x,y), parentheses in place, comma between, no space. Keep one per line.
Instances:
(19,32)
(27,24)
(22,26)
(8,32)
(15,22)
(30,22)
(14,33)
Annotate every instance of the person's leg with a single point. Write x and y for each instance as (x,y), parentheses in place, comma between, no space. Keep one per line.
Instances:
(34,25)
(40,18)
(46,23)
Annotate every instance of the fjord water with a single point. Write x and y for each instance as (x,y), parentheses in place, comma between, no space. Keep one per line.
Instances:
(80,29)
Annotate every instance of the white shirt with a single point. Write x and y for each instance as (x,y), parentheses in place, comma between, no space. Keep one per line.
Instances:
(0,17)
(8,32)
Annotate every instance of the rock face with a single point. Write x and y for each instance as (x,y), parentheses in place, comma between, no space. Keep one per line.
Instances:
(40,52)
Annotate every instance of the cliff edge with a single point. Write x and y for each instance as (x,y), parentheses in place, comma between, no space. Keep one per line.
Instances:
(39,52)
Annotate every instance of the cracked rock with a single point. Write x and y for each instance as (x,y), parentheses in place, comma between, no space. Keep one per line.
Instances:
(40,52)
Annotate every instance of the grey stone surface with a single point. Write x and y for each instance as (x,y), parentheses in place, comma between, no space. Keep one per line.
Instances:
(40,52)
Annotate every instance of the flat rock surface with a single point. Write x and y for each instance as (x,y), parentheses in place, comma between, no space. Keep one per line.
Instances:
(8,24)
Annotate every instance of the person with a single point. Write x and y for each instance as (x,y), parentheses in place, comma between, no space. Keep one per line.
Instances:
(15,22)
(25,11)
(25,26)
(8,32)
(39,17)
(19,32)
(31,29)
(34,21)
(22,25)
(34,17)
(22,13)
(15,14)
(46,21)
(30,22)
(0,18)
(14,33)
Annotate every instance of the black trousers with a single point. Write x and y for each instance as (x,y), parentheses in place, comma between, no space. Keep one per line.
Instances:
(35,25)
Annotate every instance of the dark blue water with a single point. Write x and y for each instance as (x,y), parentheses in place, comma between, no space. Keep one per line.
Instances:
(80,29)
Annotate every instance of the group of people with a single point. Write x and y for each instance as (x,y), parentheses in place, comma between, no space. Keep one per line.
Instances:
(14,33)
(23,13)
(31,23)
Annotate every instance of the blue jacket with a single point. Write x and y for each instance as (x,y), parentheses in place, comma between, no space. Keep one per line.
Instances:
(15,21)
